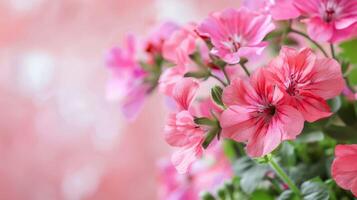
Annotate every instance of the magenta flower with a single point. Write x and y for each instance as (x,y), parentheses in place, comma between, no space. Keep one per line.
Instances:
(278,9)
(308,81)
(329,20)
(126,83)
(258,114)
(344,168)
(181,130)
(236,33)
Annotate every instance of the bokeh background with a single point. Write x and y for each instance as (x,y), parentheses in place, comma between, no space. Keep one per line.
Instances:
(59,137)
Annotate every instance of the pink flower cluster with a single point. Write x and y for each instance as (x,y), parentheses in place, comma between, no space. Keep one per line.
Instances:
(261,109)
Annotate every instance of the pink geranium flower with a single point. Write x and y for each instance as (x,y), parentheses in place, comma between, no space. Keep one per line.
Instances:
(204,176)
(158,36)
(258,114)
(344,168)
(236,33)
(126,83)
(329,20)
(181,41)
(307,80)
(181,130)
(278,9)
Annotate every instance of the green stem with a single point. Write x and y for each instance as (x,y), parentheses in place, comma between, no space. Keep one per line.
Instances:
(226,75)
(244,67)
(311,40)
(333,51)
(218,79)
(284,176)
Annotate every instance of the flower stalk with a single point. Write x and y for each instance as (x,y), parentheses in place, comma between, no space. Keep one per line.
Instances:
(283,176)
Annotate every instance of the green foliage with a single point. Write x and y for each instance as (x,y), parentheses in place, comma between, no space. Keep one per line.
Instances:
(250,172)
(216,94)
(314,189)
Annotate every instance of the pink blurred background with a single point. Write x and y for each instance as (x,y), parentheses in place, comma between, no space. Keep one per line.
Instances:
(59,137)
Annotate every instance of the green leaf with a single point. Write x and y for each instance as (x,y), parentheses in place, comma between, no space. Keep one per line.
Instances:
(288,195)
(347,112)
(216,93)
(310,137)
(261,194)
(348,50)
(207,196)
(341,133)
(335,104)
(303,172)
(314,189)
(250,172)
(197,74)
(210,136)
(204,121)
(287,154)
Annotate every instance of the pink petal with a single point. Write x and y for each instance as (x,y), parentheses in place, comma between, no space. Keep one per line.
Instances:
(134,102)
(312,107)
(181,130)
(284,9)
(184,92)
(185,156)
(292,121)
(345,150)
(327,80)
(237,123)
(319,30)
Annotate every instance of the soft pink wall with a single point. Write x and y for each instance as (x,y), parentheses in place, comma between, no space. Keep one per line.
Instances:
(59,137)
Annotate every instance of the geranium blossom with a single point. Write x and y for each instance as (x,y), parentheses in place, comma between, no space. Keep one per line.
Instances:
(344,167)
(279,9)
(207,174)
(258,114)
(181,130)
(126,83)
(329,20)
(307,80)
(236,33)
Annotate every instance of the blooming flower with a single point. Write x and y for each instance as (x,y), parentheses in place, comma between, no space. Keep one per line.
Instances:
(126,83)
(236,33)
(329,20)
(344,168)
(158,36)
(207,174)
(258,114)
(181,130)
(181,41)
(307,80)
(279,9)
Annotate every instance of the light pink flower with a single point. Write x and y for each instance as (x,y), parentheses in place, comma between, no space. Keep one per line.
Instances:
(279,9)
(181,41)
(307,80)
(258,114)
(157,37)
(171,76)
(125,83)
(204,176)
(236,33)
(181,130)
(329,20)
(344,167)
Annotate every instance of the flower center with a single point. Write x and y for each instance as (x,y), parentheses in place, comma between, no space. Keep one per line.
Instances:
(291,86)
(267,112)
(329,15)
(233,44)
(329,10)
